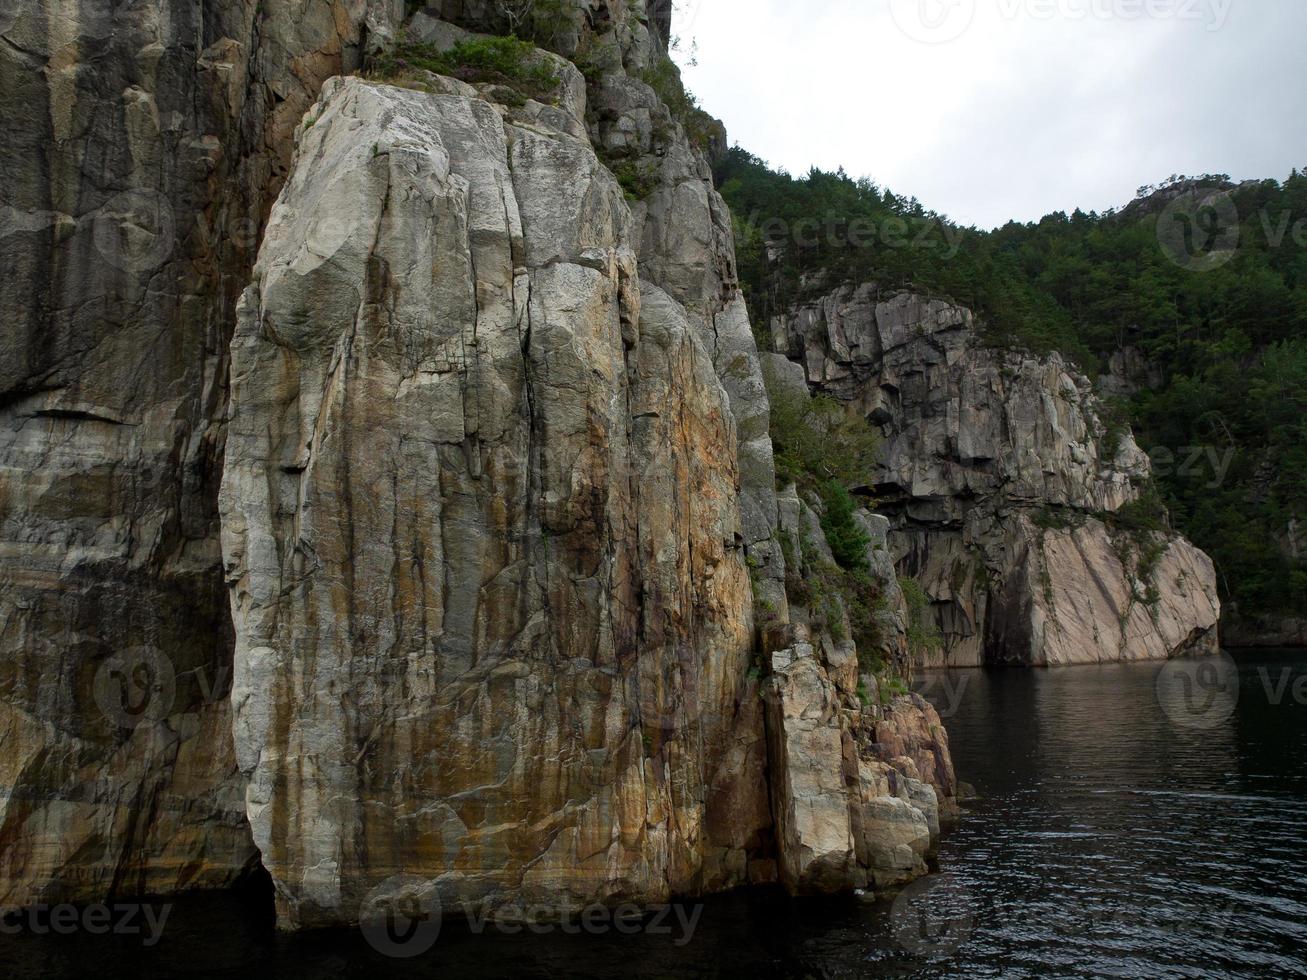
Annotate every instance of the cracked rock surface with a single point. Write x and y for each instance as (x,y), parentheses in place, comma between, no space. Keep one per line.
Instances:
(143,143)
(433,542)
(998,473)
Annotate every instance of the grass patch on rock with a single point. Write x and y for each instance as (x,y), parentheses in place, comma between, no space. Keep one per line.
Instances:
(504,61)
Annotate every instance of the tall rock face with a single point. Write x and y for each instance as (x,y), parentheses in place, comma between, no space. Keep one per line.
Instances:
(998,475)
(143,143)
(499,512)
(481,520)
(442,542)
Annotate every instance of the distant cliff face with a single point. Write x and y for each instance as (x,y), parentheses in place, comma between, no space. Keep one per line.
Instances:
(498,523)
(997,474)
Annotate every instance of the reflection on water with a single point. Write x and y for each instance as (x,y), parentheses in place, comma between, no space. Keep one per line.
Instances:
(1115,838)
(1109,838)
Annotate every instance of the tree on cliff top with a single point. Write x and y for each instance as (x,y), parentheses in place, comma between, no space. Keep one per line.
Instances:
(1225,348)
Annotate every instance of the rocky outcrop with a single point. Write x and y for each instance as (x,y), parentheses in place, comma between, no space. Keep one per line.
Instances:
(843,816)
(498,503)
(1000,479)
(1264,632)
(481,485)
(860,778)
(1070,595)
(1128,373)
(497,524)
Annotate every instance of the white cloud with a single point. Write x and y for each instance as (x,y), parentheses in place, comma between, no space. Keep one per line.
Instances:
(1038,106)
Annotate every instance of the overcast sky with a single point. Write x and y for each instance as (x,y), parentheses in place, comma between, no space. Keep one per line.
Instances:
(994,109)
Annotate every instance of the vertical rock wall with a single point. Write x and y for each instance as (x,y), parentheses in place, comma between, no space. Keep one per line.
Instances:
(481,524)
(998,474)
(142,144)
(498,503)
(499,507)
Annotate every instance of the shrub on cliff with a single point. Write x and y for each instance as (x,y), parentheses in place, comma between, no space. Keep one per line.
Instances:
(818,440)
(504,60)
(638,180)
(846,603)
(848,541)
(664,77)
(1140,536)
(922,637)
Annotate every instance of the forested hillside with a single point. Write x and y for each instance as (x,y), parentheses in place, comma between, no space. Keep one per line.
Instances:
(1204,353)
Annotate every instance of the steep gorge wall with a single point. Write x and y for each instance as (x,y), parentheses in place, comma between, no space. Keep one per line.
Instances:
(497,510)
(998,471)
(481,525)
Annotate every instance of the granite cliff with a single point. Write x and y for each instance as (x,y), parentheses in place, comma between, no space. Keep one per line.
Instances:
(1010,497)
(388,493)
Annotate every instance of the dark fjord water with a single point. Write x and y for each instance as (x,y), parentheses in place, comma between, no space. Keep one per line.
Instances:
(1115,834)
